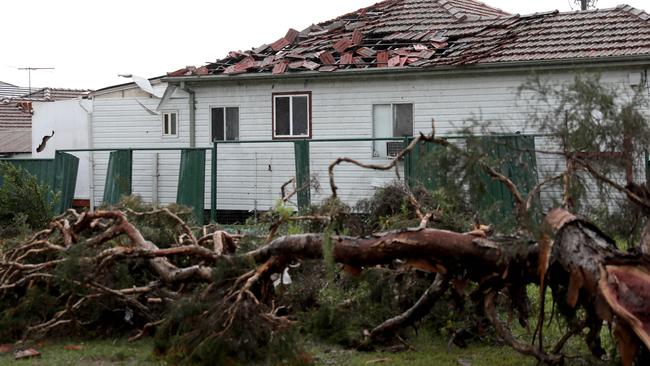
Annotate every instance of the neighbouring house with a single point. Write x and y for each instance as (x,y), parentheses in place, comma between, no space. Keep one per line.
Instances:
(130,116)
(388,70)
(27,122)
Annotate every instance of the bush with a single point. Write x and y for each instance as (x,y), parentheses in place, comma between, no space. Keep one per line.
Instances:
(390,208)
(23,199)
(160,229)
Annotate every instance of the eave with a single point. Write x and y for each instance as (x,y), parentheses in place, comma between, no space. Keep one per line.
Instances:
(500,67)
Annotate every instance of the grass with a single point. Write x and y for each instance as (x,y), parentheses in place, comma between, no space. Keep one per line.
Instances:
(427,352)
(93,353)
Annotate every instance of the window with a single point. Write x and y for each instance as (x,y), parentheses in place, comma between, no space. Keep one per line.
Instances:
(292,115)
(390,120)
(170,126)
(225,124)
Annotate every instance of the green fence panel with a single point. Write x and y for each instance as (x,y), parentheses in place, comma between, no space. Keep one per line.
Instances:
(191,181)
(118,176)
(514,157)
(421,167)
(42,169)
(301,151)
(59,174)
(65,179)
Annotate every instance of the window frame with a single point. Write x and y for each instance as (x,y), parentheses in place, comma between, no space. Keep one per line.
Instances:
(393,116)
(225,122)
(162,124)
(307,94)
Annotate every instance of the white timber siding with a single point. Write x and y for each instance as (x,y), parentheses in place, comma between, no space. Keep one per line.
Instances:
(120,122)
(250,175)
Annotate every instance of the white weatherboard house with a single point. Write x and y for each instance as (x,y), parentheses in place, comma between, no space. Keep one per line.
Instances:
(388,70)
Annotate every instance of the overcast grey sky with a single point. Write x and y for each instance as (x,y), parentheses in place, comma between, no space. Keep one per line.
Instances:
(90,42)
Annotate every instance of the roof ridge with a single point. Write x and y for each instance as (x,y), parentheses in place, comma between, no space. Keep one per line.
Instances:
(639,13)
(452,8)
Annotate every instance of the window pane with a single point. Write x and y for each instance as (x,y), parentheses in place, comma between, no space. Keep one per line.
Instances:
(300,116)
(165,123)
(382,121)
(232,123)
(282,116)
(403,125)
(217,124)
(173,123)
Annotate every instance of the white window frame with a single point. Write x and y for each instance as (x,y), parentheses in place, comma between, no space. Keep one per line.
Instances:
(225,124)
(392,107)
(291,95)
(163,123)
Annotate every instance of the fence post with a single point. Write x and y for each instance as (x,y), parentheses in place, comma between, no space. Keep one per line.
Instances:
(647,167)
(301,151)
(213,184)
(407,163)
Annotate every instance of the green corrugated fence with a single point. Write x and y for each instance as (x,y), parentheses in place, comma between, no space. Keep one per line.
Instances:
(303,179)
(512,156)
(59,174)
(191,181)
(118,176)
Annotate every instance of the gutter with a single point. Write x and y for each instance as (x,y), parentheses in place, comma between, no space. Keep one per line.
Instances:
(192,109)
(544,65)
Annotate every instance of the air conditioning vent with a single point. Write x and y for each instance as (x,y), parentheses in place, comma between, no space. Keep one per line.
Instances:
(393,148)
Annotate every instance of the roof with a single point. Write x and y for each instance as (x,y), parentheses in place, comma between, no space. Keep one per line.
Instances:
(428,33)
(50,94)
(126,85)
(14,115)
(9,90)
(15,141)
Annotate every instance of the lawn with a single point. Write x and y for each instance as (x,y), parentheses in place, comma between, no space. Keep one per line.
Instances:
(121,352)
(95,353)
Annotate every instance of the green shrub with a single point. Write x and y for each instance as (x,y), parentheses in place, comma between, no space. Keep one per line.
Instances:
(390,208)
(160,229)
(23,199)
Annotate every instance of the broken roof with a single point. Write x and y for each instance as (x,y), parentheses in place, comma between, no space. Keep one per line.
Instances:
(430,33)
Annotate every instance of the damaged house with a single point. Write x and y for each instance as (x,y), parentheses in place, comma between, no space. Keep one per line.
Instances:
(386,71)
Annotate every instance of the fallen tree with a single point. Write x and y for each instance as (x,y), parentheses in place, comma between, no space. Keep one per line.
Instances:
(582,266)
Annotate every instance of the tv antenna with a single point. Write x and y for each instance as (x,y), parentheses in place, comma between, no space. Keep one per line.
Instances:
(585,4)
(29,75)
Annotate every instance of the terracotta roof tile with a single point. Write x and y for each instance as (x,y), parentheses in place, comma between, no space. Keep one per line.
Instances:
(429,33)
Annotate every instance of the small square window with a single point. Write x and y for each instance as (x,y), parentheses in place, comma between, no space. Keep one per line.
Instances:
(390,120)
(225,124)
(292,115)
(169,124)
